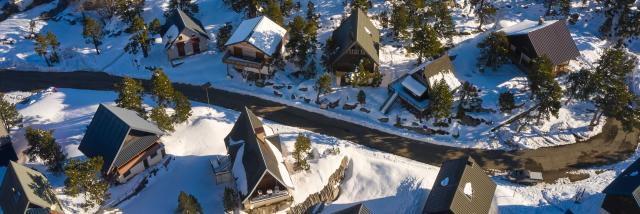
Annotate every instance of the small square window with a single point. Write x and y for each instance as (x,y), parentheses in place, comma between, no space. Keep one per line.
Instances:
(127,173)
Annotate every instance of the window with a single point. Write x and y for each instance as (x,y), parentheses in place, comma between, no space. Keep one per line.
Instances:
(163,153)
(127,173)
(153,155)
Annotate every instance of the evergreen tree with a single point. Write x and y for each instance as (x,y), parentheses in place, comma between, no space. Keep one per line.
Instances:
(361,4)
(230,199)
(310,36)
(224,33)
(182,108)
(42,145)
(130,93)
(311,13)
(329,50)
(52,40)
(441,100)
(606,86)
(544,88)
(323,85)
(128,10)
(274,13)
(286,7)
(188,204)
(41,48)
(579,85)
(362,97)
(425,42)
(9,115)
(187,6)
(495,49)
(444,23)
(399,20)
(506,101)
(139,39)
(360,76)
(92,33)
(302,147)
(565,6)
(155,27)
(549,4)
(163,121)
(162,90)
(467,93)
(85,177)
(297,46)
(484,10)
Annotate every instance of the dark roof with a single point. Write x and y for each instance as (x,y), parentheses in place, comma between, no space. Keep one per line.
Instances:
(357,29)
(7,154)
(553,40)
(182,20)
(355,209)
(627,182)
(35,186)
(108,131)
(447,193)
(258,157)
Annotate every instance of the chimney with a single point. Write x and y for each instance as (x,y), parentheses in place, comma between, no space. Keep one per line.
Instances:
(541,20)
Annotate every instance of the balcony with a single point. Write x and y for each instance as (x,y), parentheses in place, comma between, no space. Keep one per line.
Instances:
(269,198)
(243,61)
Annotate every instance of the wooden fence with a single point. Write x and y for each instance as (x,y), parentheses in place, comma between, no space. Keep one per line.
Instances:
(328,193)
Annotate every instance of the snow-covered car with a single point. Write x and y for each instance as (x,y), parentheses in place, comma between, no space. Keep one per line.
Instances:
(524,176)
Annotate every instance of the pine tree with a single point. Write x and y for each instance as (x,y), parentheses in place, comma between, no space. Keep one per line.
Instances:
(362,97)
(297,46)
(361,76)
(579,85)
(484,10)
(310,36)
(274,13)
(41,48)
(130,93)
(323,85)
(329,50)
(549,4)
(425,43)
(43,145)
(9,115)
(361,4)
(163,121)
(155,27)
(85,177)
(311,13)
(444,23)
(188,204)
(399,20)
(182,108)
(468,92)
(302,147)
(441,100)
(162,90)
(128,10)
(565,6)
(544,88)
(92,33)
(53,42)
(495,49)
(506,101)
(286,7)
(230,199)
(139,39)
(187,6)
(224,33)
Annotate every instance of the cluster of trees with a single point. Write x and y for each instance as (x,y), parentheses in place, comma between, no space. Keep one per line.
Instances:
(223,35)
(302,42)
(84,177)
(362,76)
(406,13)
(140,39)
(302,151)
(43,145)
(230,199)
(47,47)
(494,50)
(130,96)
(563,7)
(624,16)
(275,9)
(189,7)
(545,90)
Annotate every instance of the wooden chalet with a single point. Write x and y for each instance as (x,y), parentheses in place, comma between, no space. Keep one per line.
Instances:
(24,190)
(183,35)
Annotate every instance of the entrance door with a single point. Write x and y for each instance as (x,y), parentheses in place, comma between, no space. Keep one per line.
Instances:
(237,51)
(146,163)
(195,41)
(259,55)
(180,46)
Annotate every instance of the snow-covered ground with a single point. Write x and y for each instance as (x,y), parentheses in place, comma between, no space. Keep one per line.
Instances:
(384,182)
(208,67)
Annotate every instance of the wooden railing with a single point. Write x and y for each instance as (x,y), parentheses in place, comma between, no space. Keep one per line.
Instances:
(243,61)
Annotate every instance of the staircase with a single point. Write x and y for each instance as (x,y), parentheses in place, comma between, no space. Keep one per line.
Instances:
(387,103)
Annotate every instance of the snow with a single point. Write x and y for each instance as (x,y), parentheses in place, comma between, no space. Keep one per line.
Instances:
(416,87)
(526,26)
(468,189)
(239,172)
(261,32)
(282,169)
(171,34)
(634,173)
(448,77)
(382,181)
(444,182)
(3,170)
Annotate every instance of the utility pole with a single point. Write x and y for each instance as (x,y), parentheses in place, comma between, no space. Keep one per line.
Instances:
(206,91)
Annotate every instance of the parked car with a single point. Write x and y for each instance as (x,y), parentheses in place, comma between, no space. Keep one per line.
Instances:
(524,176)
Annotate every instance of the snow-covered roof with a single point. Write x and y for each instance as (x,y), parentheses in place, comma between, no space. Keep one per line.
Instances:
(170,35)
(239,173)
(282,169)
(413,85)
(468,189)
(450,78)
(261,32)
(526,26)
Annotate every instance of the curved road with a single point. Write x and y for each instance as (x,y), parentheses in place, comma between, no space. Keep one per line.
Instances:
(611,146)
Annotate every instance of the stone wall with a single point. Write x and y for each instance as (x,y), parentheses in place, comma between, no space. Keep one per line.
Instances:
(329,193)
